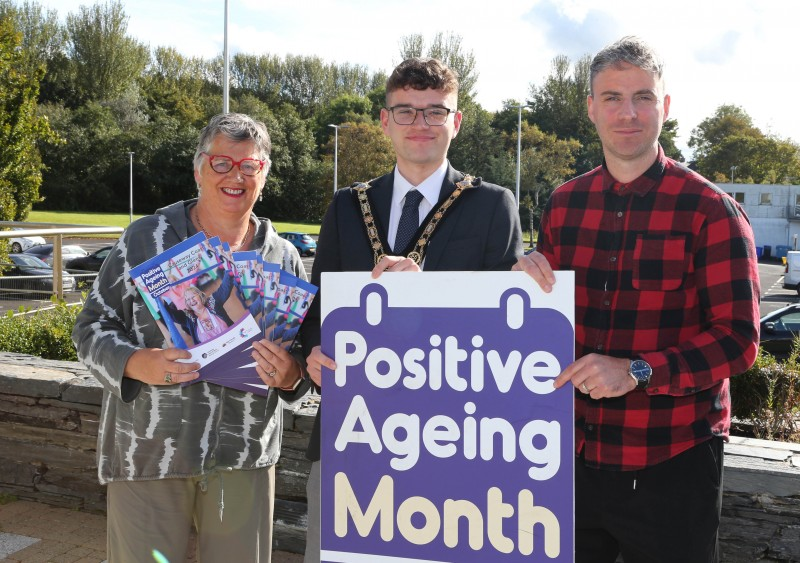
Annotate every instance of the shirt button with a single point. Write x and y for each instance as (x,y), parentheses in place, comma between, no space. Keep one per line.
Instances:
(599,347)
(590,427)
(606,302)
(613,258)
(619,213)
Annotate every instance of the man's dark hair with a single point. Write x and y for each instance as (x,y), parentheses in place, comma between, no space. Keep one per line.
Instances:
(420,74)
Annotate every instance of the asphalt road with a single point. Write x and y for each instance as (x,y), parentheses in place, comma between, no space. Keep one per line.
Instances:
(773,296)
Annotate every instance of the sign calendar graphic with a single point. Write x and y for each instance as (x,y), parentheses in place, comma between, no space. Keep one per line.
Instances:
(443,437)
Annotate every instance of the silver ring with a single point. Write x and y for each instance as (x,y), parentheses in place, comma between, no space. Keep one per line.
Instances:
(272,373)
(168,378)
(585,389)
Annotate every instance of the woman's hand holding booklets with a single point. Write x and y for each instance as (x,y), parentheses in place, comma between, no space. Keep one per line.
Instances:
(215,304)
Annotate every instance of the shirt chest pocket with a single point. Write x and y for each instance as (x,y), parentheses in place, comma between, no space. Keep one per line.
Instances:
(659,263)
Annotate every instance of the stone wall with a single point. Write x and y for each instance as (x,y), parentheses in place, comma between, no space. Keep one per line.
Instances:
(49,415)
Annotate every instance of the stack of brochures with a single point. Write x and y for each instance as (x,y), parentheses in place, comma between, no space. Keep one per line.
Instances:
(216,303)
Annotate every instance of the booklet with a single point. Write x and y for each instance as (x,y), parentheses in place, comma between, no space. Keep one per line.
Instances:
(216,303)
(286,285)
(302,295)
(189,290)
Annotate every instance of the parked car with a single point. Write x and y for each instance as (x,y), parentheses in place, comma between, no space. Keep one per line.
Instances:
(29,273)
(90,262)
(778,330)
(305,245)
(45,252)
(21,244)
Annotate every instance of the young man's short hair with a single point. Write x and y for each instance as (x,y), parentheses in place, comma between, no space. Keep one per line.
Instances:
(421,73)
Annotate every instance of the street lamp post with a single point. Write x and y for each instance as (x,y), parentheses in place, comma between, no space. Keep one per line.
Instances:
(225,66)
(519,141)
(733,169)
(336,154)
(130,154)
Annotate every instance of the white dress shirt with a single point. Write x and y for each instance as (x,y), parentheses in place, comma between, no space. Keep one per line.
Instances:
(429,188)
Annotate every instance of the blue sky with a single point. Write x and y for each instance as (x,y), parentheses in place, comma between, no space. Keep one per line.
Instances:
(741,52)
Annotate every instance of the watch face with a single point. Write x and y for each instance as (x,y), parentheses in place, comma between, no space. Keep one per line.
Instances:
(642,371)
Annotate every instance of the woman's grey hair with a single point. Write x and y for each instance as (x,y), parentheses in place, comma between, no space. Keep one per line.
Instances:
(631,50)
(237,127)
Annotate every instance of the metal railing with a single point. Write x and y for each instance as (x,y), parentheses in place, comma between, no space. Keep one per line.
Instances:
(56,232)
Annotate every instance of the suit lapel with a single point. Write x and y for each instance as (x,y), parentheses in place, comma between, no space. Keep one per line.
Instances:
(444,231)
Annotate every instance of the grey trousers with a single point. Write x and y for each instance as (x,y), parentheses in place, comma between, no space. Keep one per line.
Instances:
(231,510)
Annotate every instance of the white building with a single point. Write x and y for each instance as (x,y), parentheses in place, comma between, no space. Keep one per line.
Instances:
(774,212)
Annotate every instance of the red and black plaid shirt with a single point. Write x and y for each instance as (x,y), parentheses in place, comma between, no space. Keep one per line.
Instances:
(665,270)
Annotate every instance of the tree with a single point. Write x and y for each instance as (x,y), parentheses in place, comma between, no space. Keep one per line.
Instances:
(77,173)
(728,138)
(43,38)
(758,160)
(448,49)
(107,62)
(478,149)
(20,128)
(545,162)
(293,190)
(727,121)
(669,131)
(258,75)
(173,84)
(44,42)
(559,107)
(346,108)
(364,153)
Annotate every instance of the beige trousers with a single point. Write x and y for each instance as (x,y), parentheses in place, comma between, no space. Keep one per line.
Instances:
(232,511)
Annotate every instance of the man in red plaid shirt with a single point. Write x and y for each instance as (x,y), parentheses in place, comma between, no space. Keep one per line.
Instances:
(666,310)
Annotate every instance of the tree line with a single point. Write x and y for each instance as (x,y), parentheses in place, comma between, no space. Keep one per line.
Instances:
(76,98)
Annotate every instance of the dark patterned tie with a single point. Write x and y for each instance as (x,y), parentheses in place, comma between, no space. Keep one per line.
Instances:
(409,222)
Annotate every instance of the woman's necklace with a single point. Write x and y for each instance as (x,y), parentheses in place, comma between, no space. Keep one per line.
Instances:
(209,235)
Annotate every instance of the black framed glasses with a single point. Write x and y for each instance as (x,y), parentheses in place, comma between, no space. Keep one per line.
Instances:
(223,164)
(405,115)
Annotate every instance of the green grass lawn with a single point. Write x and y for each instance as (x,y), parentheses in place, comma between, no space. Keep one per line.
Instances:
(123,219)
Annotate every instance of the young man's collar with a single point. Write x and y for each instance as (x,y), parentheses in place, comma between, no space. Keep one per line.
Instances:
(429,187)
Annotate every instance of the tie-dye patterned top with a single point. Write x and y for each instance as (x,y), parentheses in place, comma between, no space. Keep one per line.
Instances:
(156,432)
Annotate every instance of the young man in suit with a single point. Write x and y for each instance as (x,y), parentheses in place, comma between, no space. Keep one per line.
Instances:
(458,222)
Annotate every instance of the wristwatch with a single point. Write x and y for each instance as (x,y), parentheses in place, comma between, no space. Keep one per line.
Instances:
(640,371)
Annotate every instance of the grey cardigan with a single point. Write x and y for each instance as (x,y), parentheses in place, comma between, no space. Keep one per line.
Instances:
(156,432)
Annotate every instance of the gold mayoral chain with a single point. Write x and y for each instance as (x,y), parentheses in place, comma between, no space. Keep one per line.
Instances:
(418,252)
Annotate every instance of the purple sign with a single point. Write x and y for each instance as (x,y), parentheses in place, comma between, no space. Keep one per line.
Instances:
(443,437)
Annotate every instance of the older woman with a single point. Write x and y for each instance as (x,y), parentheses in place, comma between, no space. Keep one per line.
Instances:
(201,454)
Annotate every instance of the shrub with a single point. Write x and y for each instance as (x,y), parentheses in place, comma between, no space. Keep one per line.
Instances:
(45,333)
(767,396)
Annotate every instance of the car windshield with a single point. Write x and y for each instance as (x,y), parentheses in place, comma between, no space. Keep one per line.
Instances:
(73,249)
(29,261)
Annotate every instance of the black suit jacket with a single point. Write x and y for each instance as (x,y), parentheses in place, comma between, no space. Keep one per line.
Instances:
(480,232)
